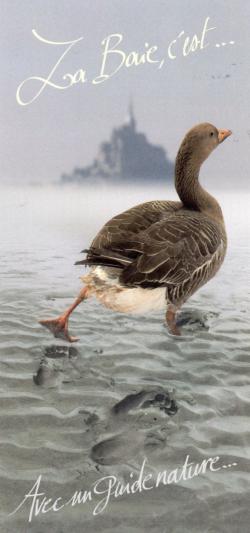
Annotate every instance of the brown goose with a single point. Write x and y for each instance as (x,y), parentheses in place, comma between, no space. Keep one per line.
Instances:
(157,254)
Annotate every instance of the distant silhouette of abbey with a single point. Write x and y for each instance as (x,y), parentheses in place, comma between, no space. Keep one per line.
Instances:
(128,156)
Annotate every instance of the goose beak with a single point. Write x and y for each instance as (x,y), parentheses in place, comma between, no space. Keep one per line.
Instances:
(223,134)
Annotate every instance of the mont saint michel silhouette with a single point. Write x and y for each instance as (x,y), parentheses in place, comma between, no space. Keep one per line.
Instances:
(128,156)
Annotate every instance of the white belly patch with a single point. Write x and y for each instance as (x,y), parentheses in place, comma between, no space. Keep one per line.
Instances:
(104,284)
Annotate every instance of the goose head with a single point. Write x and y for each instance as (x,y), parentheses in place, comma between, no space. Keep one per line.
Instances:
(201,140)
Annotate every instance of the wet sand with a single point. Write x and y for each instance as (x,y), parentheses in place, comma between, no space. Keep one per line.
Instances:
(128,390)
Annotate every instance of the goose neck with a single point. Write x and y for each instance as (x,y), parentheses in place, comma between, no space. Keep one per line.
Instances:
(189,189)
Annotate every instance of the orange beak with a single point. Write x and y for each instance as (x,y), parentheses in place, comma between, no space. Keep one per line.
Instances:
(223,134)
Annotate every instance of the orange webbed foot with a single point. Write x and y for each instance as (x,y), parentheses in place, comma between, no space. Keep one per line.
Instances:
(59,328)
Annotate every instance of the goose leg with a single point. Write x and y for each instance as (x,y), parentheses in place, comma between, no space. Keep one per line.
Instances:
(59,326)
(171,321)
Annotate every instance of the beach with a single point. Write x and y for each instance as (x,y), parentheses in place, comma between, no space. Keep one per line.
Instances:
(127,391)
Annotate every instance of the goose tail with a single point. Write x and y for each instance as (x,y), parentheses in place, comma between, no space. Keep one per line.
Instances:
(103,257)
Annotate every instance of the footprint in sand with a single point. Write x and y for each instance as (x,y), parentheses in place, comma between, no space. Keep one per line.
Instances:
(196,320)
(133,439)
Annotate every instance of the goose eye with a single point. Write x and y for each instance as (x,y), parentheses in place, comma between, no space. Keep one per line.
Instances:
(211,134)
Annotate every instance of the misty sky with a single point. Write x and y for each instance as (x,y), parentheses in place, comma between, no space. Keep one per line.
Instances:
(63,128)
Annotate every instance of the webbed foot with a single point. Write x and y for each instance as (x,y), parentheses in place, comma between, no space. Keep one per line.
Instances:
(59,328)
(174,330)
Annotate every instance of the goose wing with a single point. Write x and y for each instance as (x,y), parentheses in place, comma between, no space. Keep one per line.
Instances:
(132,222)
(184,246)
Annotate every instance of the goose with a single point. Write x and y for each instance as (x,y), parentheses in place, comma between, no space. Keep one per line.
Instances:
(157,254)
